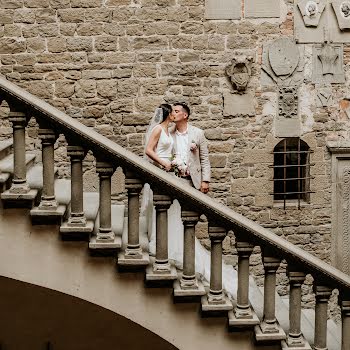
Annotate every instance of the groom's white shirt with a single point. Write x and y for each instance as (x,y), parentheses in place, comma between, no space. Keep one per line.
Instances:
(198,160)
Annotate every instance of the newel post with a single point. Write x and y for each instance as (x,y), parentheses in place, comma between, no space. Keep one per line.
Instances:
(216,300)
(105,237)
(133,256)
(19,192)
(269,329)
(295,338)
(322,294)
(345,312)
(48,209)
(243,315)
(188,285)
(162,270)
(77,225)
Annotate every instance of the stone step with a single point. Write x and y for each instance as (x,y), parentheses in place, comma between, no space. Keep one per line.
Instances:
(35,176)
(109,247)
(6,165)
(49,215)
(5,148)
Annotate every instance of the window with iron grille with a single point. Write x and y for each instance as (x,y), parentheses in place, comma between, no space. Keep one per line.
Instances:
(291,171)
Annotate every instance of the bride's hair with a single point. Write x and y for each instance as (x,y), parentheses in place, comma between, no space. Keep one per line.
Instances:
(166,109)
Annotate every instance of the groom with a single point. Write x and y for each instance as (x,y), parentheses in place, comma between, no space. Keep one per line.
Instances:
(191,146)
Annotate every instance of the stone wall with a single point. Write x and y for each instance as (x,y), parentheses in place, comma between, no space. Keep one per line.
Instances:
(109,63)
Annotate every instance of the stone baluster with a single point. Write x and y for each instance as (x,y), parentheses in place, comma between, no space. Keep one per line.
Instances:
(295,338)
(48,209)
(188,286)
(269,329)
(162,270)
(243,314)
(133,256)
(105,237)
(322,294)
(77,226)
(216,300)
(345,312)
(19,193)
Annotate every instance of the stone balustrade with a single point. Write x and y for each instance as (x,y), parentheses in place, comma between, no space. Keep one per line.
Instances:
(166,188)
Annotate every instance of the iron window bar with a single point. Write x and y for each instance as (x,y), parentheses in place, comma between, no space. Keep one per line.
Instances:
(291,170)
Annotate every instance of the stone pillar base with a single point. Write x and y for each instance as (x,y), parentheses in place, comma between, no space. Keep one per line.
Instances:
(222,307)
(304,345)
(19,200)
(195,291)
(278,335)
(130,262)
(168,275)
(100,244)
(237,321)
(76,233)
(47,216)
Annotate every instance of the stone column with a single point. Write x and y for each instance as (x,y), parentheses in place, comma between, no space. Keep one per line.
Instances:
(19,193)
(216,300)
(161,270)
(243,314)
(77,224)
(133,255)
(322,294)
(269,329)
(48,200)
(295,338)
(48,209)
(19,182)
(345,312)
(188,285)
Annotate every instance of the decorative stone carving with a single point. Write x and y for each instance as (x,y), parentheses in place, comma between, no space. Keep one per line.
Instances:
(342,11)
(262,9)
(222,9)
(323,96)
(288,102)
(239,72)
(311,10)
(287,123)
(281,59)
(328,64)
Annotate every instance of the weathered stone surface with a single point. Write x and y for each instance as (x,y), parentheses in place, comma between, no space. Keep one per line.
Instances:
(235,105)
(12,45)
(86,3)
(6,16)
(222,9)
(71,15)
(79,44)
(261,8)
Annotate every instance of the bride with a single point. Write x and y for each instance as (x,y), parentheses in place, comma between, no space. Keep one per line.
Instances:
(159,150)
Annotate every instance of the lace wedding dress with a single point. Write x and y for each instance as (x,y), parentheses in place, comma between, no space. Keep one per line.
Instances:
(176,232)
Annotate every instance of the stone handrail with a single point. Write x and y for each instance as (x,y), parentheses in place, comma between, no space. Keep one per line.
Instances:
(151,174)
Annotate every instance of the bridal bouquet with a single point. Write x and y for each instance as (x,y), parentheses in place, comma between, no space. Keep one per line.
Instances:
(179,167)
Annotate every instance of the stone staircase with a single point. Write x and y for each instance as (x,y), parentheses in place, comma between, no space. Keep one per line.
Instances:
(110,229)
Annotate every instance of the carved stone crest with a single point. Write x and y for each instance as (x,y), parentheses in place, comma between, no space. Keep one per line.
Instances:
(328,64)
(288,102)
(311,10)
(281,59)
(342,12)
(239,72)
(323,96)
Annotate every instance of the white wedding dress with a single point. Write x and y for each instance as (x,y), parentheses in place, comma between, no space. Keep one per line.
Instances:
(176,232)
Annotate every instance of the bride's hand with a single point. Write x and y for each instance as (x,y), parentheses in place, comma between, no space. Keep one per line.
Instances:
(166,165)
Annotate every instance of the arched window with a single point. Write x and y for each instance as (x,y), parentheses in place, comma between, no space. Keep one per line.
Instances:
(291,170)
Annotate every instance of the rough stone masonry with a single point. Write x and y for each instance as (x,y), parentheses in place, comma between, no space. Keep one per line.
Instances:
(109,63)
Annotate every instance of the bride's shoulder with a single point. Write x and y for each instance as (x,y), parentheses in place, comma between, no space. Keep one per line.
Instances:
(171,129)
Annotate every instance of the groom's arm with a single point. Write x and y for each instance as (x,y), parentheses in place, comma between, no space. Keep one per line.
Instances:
(204,159)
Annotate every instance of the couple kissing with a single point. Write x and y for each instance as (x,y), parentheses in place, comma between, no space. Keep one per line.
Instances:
(173,144)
